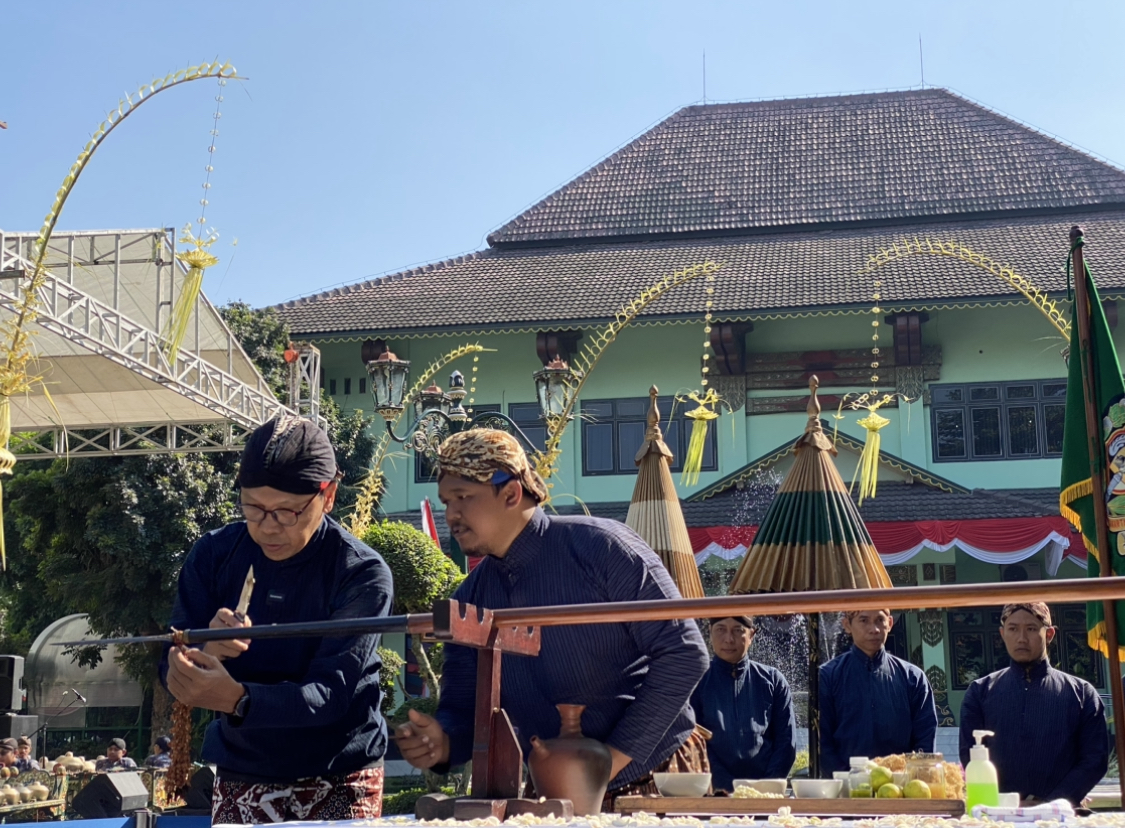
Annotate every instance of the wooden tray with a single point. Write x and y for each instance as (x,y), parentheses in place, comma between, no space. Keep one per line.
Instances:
(729,806)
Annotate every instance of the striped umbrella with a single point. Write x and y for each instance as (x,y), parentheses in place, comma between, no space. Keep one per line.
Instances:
(811,537)
(655,513)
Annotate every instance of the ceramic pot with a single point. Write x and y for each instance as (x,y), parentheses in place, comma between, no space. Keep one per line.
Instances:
(40,792)
(10,794)
(572,766)
(25,793)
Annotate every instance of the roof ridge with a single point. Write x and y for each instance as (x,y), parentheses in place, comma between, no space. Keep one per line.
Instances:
(646,132)
(1034,130)
(384,278)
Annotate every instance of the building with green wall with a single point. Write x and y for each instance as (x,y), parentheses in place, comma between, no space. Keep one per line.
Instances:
(792,199)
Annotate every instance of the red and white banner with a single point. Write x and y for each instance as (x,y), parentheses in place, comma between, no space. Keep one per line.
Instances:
(428,524)
(1001,540)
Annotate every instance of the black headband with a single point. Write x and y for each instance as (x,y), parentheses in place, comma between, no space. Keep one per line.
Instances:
(288,454)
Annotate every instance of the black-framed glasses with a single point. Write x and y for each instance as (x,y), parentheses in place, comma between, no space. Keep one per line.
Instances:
(284,517)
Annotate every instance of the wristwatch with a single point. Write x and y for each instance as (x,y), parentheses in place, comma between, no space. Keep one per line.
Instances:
(242,706)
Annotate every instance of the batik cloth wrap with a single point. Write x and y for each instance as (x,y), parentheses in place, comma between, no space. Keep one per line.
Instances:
(479,453)
(357,795)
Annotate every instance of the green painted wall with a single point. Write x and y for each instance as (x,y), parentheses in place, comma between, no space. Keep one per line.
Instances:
(978,345)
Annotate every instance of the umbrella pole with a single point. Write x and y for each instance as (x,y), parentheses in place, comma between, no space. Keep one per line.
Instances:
(814,694)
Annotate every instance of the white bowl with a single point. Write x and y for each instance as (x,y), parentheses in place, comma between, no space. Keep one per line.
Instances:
(766,786)
(682,784)
(816,788)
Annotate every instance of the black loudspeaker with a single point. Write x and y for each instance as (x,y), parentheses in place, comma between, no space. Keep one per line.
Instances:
(15,725)
(202,788)
(11,683)
(110,795)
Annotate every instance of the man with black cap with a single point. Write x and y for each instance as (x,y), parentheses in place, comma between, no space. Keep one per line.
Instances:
(321,693)
(634,678)
(1051,741)
(748,708)
(115,758)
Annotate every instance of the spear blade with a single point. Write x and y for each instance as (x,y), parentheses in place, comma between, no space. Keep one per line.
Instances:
(105,642)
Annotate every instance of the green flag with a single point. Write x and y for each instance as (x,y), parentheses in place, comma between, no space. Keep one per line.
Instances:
(1076,498)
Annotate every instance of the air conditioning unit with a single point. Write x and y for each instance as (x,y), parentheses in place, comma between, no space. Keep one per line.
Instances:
(1025,571)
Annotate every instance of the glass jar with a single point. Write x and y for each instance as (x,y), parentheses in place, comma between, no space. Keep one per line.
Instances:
(928,768)
(859,778)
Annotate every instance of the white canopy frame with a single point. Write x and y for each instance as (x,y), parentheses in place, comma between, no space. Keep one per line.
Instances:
(106,300)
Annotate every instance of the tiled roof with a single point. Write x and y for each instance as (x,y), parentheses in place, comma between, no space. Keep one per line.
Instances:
(726,168)
(501,289)
(894,502)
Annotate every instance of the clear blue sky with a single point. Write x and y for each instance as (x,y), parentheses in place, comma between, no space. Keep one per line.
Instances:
(371,136)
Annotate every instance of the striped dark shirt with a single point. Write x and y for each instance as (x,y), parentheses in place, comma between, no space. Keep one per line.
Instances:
(634,678)
(873,707)
(748,708)
(1051,741)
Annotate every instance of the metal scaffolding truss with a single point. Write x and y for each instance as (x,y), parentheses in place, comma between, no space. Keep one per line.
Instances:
(154,438)
(105,300)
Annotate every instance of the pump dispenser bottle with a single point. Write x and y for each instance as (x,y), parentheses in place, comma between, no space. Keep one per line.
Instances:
(981,785)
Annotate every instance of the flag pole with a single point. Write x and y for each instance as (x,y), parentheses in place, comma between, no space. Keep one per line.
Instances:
(1096,451)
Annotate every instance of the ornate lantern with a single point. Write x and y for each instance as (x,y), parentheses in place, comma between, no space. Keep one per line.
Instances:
(552,387)
(388,383)
(431,399)
(456,395)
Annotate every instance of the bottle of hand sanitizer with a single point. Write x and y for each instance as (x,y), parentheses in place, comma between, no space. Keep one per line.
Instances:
(981,785)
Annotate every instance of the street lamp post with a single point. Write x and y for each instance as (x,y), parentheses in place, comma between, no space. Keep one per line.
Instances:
(438,414)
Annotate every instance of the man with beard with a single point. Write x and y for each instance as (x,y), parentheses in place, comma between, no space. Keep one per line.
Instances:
(871,702)
(1051,737)
(633,677)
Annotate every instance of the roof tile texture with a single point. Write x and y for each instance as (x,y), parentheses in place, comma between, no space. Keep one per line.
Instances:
(788,271)
(728,167)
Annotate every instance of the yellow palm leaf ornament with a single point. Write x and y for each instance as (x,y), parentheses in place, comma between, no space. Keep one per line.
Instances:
(701,417)
(197,260)
(18,353)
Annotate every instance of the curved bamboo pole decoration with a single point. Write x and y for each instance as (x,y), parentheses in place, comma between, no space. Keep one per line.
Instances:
(545,461)
(952,249)
(14,376)
(374,484)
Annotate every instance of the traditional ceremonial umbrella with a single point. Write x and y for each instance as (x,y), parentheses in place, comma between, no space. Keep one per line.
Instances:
(811,538)
(655,512)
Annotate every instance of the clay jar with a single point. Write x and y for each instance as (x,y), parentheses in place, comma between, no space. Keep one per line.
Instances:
(572,766)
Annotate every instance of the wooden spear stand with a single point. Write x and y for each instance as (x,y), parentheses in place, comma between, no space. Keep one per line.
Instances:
(497,757)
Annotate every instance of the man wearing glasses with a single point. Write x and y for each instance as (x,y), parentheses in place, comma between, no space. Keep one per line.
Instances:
(306,568)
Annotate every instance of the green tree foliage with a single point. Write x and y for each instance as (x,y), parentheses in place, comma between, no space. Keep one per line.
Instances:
(107,536)
(422,574)
(388,679)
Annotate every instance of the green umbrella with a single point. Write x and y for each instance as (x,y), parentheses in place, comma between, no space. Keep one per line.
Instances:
(811,537)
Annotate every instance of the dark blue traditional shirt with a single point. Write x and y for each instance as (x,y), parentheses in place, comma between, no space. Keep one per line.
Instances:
(1051,741)
(749,710)
(323,692)
(159,760)
(873,707)
(634,678)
